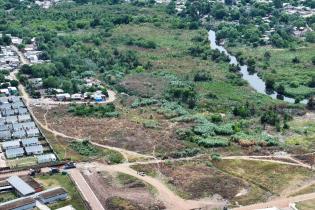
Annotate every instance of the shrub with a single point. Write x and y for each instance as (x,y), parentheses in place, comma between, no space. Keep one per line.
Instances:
(205,130)
(225,129)
(202,76)
(213,142)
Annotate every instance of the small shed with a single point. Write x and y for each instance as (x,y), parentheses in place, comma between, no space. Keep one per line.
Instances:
(47,158)
(13,153)
(10,144)
(53,195)
(21,187)
(34,150)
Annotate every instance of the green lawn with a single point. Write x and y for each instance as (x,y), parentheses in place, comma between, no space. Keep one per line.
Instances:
(7,196)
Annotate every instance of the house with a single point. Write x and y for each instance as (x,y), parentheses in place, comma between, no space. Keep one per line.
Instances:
(8,112)
(16,40)
(13,90)
(5,91)
(13,153)
(30,141)
(5,106)
(34,150)
(11,119)
(36,82)
(76,96)
(24,118)
(29,125)
(52,195)
(13,99)
(57,91)
(4,127)
(69,207)
(18,104)
(22,111)
(19,134)
(17,126)
(63,97)
(11,144)
(19,204)
(46,158)
(20,186)
(5,135)
(32,132)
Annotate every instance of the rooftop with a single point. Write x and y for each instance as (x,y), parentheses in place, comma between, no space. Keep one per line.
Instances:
(20,185)
(14,204)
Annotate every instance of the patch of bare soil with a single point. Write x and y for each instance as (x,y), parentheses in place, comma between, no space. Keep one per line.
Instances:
(144,85)
(115,196)
(123,132)
(307,158)
(195,180)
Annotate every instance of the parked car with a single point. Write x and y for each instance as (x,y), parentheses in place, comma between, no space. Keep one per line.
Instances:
(54,171)
(69,165)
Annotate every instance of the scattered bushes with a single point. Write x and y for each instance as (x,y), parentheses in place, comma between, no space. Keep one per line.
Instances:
(213,142)
(99,111)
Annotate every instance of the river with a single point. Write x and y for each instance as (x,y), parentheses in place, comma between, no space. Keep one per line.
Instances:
(253,80)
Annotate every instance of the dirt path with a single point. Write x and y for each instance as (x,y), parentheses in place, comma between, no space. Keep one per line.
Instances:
(279,202)
(85,189)
(168,197)
(259,158)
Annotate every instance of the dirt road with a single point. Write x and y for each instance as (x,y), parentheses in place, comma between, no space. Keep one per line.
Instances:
(85,189)
(279,202)
(167,196)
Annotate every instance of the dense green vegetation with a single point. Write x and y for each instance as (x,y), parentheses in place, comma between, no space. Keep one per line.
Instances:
(161,61)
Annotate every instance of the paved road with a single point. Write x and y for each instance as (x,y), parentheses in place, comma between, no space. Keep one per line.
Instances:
(85,189)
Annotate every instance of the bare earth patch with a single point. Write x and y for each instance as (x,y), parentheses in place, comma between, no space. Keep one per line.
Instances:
(123,132)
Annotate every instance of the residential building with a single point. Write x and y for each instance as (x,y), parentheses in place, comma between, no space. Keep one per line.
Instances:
(13,153)
(46,158)
(19,204)
(52,195)
(5,135)
(19,134)
(20,186)
(34,150)
(24,118)
(11,144)
(32,132)
(30,141)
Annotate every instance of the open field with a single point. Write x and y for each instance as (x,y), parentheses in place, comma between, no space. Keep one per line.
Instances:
(306,205)
(122,191)
(200,179)
(294,76)
(64,181)
(21,162)
(273,177)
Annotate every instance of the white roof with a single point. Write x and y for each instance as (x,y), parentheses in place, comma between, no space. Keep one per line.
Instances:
(70,207)
(7,144)
(20,185)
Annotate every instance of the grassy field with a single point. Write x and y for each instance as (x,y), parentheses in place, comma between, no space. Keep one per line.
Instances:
(7,196)
(63,181)
(21,162)
(294,76)
(272,177)
(306,205)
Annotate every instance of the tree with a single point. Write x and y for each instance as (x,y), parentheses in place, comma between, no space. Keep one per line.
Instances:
(295,60)
(310,37)
(280,89)
(277,3)
(313,60)
(267,55)
(171,7)
(51,82)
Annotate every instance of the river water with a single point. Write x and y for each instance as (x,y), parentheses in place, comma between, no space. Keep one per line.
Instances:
(253,79)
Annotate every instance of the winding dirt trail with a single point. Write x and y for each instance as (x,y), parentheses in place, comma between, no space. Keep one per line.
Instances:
(168,197)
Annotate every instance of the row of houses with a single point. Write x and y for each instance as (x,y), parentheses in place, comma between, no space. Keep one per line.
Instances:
(29,192)
(8,59)
(18,132)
